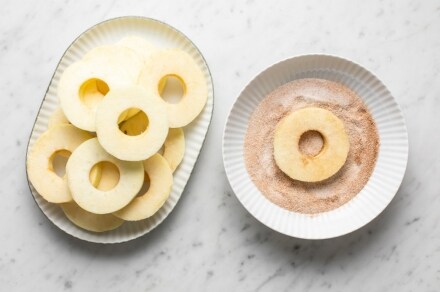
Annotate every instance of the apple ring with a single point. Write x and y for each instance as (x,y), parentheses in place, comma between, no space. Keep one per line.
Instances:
(88,197)
(120,58)
(141,46)
(174,148)
(90,221)
(173,62)
(57,117)
(174,145)
(59,138)
(304,167)
(161,181)
(84,84)
(87,220)
(120,145)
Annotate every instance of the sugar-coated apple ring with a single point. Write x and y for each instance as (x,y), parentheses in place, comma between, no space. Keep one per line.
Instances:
(89,198)
(303,167)
(84,84)
(90,221)
(173,62)
(174,145)
(138,44)
(120,145)
(161,181)
(57,118)
(62,138)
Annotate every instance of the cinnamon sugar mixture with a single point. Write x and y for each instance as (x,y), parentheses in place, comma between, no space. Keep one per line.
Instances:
(302,197)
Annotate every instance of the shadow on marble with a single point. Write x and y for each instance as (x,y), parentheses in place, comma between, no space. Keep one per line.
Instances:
(355,244)
(252,233)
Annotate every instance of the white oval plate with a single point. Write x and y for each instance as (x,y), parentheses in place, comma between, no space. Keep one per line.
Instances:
(384,181)
(108,32)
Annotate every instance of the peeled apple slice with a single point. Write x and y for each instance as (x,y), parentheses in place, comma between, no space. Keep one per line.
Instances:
(89,198)
(57,118)
(303,167)
(90,221)
(174,147)
(61,138)
(84,84)
(161,181)
(177,63)
(121,58)
(141,46)
(120,145)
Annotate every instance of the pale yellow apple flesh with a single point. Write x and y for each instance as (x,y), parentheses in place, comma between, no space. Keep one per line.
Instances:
(174,147)
(92,199)
(141,46)
(161,181)
(57,118)
(117,143)
(177,63)
(304,167)
(115,91)
(84,84)
(90,221)
(63,139)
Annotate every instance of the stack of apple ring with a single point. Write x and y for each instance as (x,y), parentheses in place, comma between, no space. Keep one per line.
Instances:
(122,141)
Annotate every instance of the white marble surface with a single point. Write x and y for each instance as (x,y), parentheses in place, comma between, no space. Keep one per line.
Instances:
(210,243)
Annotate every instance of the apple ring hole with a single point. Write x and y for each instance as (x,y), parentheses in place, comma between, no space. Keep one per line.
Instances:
(145,185)
(141,124)
(311,143)
(109,175)
(92,91)
(171,88)
(58,161)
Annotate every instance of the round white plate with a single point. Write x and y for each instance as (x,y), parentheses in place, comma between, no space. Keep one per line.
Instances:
(108,32)
(383,183)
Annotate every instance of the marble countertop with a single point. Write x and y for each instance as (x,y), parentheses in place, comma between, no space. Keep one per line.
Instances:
(210,242)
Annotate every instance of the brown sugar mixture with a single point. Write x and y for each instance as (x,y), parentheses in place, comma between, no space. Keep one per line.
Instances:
(303,197)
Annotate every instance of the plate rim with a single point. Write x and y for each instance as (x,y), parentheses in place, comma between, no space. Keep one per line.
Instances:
(144,18)
(278,63)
